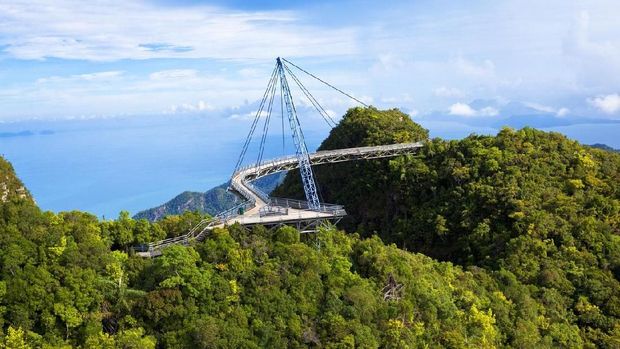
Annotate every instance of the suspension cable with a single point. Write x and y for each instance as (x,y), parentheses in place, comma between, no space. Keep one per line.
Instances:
(282,116)
(266,125)
(248,139)
(325,82)
(330,121)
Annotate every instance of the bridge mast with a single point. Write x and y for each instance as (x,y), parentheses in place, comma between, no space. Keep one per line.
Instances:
(301,151)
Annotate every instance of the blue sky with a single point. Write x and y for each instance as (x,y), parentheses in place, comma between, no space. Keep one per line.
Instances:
(478,62)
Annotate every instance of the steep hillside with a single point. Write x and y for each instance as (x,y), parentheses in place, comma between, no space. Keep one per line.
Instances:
(212,201)
(11,187)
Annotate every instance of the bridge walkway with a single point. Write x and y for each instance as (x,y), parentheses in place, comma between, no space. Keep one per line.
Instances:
(259,208)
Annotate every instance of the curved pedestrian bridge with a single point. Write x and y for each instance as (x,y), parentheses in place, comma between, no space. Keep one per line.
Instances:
(260,209)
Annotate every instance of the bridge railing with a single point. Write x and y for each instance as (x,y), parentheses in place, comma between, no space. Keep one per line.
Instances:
(381,150)
(270,210)
(235,211)
(199,228)
(261,194)
(250,192)
(303,205)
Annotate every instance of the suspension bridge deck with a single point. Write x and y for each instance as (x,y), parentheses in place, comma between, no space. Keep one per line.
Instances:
(259,209)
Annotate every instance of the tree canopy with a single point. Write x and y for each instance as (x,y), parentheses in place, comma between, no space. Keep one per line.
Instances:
(529,206)
(490,241)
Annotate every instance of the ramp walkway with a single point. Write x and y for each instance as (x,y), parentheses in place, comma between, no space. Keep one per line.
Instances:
(260,209)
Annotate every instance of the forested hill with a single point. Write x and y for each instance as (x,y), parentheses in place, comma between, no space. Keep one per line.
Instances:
(537,208)
(213,201)
(70,280)
(604,147)
(526,224)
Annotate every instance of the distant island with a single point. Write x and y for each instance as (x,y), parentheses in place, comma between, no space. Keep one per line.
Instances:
(25,133)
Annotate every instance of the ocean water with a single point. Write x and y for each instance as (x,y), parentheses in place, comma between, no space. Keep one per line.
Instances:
(108,165)
(104,166)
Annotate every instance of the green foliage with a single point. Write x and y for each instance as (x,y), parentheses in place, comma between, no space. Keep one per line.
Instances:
(527,224)
(535,207)
(370,126)
(70,283)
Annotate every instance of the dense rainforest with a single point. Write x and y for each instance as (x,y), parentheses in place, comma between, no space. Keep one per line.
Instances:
(490,241)
(536,207)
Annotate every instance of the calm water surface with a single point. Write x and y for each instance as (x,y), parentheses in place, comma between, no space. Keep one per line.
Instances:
(108,165)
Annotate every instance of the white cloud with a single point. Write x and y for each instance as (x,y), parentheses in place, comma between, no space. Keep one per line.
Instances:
(562,112)
(247,116)
(188,107)
(424,50)
(449,92)
(488,111)
(608,104)
(463,109)
(108,30)
(540,107)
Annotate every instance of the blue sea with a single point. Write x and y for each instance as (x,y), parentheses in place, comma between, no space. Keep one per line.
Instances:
(104,166)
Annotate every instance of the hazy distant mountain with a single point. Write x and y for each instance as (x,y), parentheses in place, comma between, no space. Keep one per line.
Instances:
(491,113)
(212,201)
(604,147)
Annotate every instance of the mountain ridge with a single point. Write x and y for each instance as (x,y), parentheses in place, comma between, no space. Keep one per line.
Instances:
(212,201)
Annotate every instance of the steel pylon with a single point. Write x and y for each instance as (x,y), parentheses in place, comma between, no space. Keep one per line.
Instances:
(301,151)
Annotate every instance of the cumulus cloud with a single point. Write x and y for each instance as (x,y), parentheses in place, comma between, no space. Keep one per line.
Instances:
(609,104)
(463,109)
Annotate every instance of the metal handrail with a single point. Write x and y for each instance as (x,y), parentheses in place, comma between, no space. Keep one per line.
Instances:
(270,210)
(323,153)
(252,193)
(303,205)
